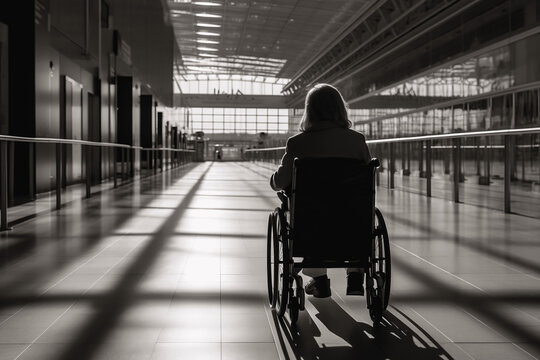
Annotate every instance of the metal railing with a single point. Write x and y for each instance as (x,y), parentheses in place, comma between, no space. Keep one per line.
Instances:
(180,156)
(273,155)
(169,157)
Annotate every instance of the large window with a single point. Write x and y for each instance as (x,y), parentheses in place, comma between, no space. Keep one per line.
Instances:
(510,110)
(480,74)
(474,93)
(238,120)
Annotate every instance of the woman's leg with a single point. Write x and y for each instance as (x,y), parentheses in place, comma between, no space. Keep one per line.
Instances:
(355,281)
(319,285)
(314,272)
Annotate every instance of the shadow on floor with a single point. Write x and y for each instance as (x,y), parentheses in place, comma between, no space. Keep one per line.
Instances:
(397,337)
(69,237)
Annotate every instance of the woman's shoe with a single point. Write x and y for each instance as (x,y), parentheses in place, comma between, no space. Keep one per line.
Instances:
(319,287)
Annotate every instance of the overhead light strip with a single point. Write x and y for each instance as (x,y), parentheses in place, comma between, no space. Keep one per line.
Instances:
(202,48)
(205,15)
(206,3)
(205,41)
(207,33)
(208,25)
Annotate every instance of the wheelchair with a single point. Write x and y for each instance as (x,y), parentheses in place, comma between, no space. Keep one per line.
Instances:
(328,219)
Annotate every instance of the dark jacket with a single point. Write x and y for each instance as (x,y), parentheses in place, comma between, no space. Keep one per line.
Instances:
(324,139)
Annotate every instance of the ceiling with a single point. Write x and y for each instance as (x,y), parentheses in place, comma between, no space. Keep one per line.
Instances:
(273,38)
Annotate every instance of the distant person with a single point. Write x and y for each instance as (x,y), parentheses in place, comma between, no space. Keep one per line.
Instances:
(324,132)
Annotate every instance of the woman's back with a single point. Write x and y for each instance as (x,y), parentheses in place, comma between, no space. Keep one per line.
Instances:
(325,132)
(327,139)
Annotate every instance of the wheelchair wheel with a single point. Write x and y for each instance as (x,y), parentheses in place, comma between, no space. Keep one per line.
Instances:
(281,262)
(380,271)
(271,270)
(386,259)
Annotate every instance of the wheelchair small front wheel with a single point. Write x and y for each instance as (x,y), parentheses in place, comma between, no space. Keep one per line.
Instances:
(296,298)
(376,311)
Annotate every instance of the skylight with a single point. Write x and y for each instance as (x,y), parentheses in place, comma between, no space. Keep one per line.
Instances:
(208,25)
(205,41)
(206,3)
(205,15)
(207,33)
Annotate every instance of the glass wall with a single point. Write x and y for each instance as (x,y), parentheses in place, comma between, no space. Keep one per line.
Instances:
(238,120)
(517,109)
(479,162)
(477,75)
(488,76)
(525,175)
(497,172)
(493,90)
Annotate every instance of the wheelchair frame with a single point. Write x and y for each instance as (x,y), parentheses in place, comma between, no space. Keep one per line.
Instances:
(285,288)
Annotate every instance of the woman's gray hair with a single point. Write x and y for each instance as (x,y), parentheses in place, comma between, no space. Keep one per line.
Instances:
(324,103)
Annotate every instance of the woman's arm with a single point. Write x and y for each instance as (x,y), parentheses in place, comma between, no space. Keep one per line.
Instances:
(282,178)
(366,154)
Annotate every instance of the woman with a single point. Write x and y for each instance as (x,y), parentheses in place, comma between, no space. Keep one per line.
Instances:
(324,132)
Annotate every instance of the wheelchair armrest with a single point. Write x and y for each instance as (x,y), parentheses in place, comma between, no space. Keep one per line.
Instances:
(282,195)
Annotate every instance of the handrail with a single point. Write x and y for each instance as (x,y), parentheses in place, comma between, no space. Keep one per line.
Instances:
(523,131)
(170,149)
(460,135)
(266,149)
(60,141)
(46,140)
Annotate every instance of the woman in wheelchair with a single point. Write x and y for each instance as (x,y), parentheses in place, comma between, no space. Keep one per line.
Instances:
(325,132)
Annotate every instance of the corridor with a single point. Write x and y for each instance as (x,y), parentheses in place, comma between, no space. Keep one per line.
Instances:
(173,266)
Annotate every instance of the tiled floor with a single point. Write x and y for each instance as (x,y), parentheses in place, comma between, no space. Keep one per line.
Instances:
(173,267)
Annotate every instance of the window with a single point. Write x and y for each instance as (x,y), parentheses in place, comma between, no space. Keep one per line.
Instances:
(239,120)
